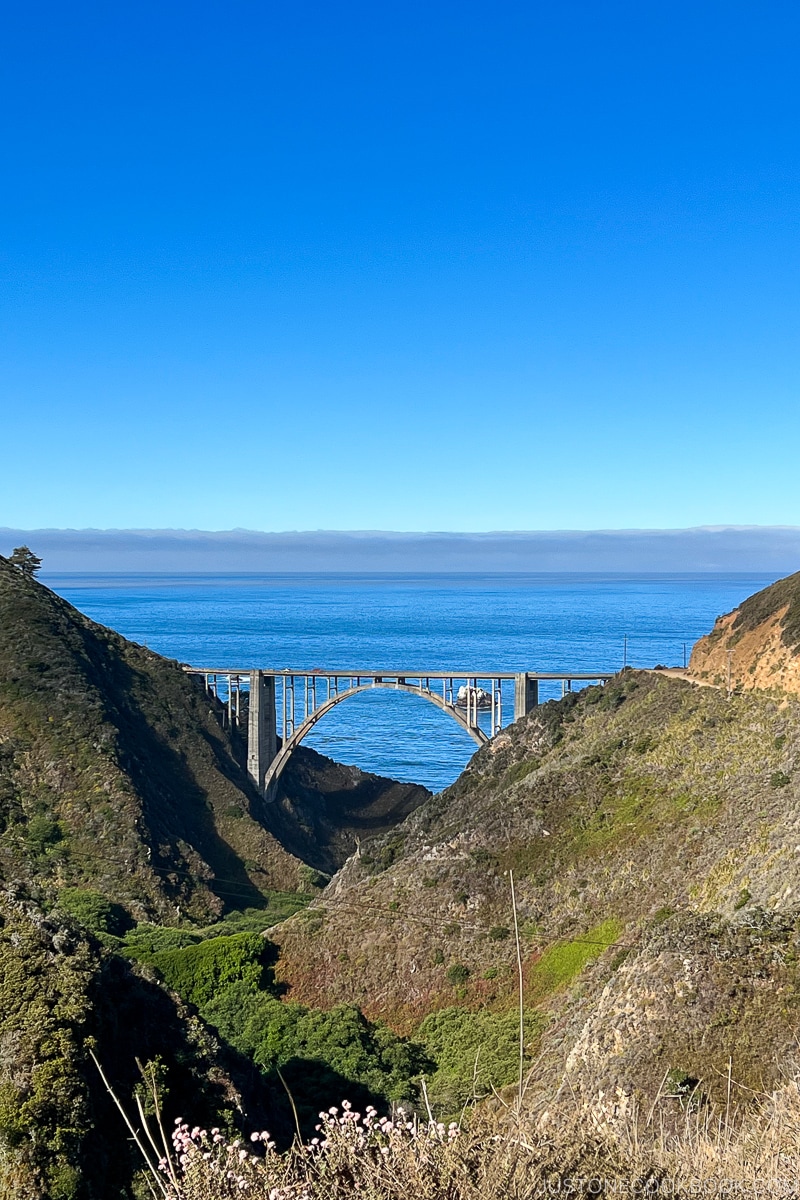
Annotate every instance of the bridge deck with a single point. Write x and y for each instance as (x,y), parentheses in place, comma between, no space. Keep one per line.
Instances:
(367,673)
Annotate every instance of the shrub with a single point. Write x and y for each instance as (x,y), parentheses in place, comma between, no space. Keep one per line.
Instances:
(499,933)
(42,834)
(457,974)
(93,910)
(473,1051)
(198,972)
(313,878)
(144,941)
(318,1053)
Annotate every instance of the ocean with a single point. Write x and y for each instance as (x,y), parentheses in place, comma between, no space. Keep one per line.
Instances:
(411,623)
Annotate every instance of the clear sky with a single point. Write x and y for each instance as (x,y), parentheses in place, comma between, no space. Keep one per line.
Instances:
(446,265)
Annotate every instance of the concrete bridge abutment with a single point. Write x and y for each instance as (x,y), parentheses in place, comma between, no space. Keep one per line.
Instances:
(526,694)
(262,727)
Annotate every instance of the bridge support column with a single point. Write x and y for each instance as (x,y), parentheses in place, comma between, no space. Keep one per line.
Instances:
(526,694)
(262,729)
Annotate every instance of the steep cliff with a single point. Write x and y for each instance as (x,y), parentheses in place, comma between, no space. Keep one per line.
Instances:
(757,645)
(325,810)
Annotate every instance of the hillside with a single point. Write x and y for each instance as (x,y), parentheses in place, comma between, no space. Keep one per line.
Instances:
(115,772)
(652,828)
(759,640)
(653,831)
(62,995)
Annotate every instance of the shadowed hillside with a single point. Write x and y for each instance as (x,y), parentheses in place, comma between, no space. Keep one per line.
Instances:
(326,809)
(115,772)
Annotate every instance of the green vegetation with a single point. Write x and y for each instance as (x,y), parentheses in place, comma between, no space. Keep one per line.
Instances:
(322,1057)
(25,561)
(44,1008)
(200,972)
(92,910)
(474,1052)
(562,963)
(380,857)
(457,974)
(521,770)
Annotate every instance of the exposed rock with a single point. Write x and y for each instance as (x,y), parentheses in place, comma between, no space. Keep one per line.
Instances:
(757,646)
(325,810)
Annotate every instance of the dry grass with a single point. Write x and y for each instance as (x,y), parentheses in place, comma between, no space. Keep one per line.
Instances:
(606,1149)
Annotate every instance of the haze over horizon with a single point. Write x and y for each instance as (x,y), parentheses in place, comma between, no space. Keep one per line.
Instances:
(772,551)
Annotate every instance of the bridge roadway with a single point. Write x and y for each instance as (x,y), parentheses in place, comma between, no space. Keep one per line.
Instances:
(303,697)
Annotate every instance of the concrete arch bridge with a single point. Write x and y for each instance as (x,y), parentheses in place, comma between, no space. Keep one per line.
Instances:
(286,705)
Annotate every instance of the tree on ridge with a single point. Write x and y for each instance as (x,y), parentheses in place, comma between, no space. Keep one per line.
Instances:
(23,558)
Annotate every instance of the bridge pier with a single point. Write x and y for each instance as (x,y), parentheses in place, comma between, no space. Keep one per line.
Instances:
(526,694)
(262,727)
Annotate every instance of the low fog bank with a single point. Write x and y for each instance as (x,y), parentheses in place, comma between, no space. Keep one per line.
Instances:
(764,549)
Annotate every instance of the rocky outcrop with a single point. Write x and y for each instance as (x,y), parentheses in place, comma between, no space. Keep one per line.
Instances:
(757,646)
(326,810)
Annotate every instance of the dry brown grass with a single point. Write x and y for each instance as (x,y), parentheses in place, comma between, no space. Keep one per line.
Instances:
(609,1148)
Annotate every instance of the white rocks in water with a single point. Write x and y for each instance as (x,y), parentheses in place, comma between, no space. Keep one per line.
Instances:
(478,697)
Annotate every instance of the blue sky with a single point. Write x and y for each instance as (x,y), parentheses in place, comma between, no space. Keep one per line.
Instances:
(462,266)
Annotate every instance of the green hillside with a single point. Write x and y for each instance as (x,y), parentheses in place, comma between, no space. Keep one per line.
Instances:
(651,827)
(116,774)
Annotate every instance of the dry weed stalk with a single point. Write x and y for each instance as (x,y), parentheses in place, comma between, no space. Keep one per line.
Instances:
(603,1148)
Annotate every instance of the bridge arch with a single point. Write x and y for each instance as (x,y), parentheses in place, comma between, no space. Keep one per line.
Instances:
(281,759)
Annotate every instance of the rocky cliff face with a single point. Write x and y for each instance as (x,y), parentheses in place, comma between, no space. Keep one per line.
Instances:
(326,810)
(757,646)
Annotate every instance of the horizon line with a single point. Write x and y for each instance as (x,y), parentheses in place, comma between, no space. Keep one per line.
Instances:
(239,529)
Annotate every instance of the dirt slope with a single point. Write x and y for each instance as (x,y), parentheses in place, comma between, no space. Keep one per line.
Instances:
(757,646)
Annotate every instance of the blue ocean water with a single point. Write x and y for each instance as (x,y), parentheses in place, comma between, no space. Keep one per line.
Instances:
(410,623)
